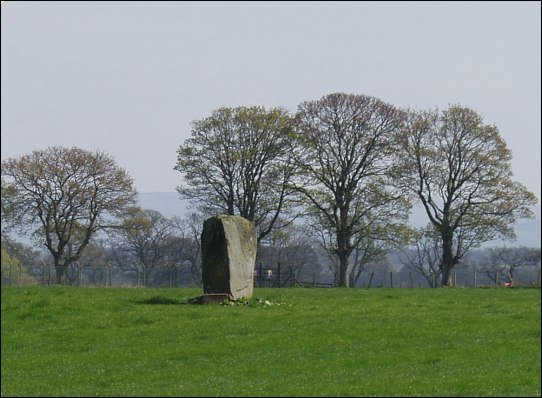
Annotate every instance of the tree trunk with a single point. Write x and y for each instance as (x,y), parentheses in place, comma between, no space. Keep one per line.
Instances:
(59,271)
(343,271)
(231,203)
(342,252)
(447,260)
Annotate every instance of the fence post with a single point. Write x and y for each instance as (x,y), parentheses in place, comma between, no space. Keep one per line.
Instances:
(108,273)
(455,278)
(475,279)
(391,279)
(278,273)
(144,276)
(261,274)
(411,280)
(80,269)
(20,274)
(496,278)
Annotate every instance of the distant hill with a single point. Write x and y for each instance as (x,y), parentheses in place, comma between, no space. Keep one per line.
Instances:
(528,231)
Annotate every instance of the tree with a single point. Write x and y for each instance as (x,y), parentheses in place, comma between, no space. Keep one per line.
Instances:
(94,261)
(378,273)
(14,272)
(66,195)
(459,169)
(145,234)
(368,251)
(236,162)
(380,230)
(504,261)
(343,154)
(424,255)
(7,210)
(28,256)
(293,249)
(188,248)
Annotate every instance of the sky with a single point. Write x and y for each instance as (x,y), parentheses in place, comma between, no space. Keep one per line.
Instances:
(128,78)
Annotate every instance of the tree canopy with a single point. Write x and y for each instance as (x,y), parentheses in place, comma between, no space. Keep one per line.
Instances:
(65,195)
(459,169)
(236,162)
(343,159)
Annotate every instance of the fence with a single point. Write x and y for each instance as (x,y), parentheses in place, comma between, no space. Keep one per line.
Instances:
(278,277)
(274,277)
(472,279)
(282,277)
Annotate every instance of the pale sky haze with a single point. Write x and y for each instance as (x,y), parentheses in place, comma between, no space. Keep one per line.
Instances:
(129,77)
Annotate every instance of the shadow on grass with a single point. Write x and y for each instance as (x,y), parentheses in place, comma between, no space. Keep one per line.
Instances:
(161,301)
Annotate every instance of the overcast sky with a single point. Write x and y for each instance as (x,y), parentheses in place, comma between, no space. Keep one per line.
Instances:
(129,77)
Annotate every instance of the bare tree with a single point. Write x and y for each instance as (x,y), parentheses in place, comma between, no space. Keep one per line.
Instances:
(236,162)
(459,169)
(504,261)
(377,273)
(366,252)
(293,248)
(188,249)
(94,262)
(145,233)
(343,154)
(424,255)
(67,195)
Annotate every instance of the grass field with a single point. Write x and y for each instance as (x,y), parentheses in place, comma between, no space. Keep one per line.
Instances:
(63,341)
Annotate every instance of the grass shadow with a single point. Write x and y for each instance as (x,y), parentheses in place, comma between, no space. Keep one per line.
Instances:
(157,300)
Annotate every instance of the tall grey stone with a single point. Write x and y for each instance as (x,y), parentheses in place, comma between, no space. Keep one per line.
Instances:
(228,247)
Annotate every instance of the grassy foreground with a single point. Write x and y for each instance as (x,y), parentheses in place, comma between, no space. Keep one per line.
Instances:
(63,341)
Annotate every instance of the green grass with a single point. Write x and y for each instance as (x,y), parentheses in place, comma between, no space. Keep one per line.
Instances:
(63,341)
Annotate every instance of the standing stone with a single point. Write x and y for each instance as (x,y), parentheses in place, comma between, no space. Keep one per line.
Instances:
(228,248)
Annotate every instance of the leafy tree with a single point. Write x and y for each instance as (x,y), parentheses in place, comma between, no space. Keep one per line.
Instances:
(65,195)
(7,210)
(343,156)
(459,169)
(14,271)
(27,254)
(10,267)
(236,162)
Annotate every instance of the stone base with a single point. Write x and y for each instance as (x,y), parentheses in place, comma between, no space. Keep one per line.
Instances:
(209,298)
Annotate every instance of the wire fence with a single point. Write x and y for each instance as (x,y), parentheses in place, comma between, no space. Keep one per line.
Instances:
(264,276)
